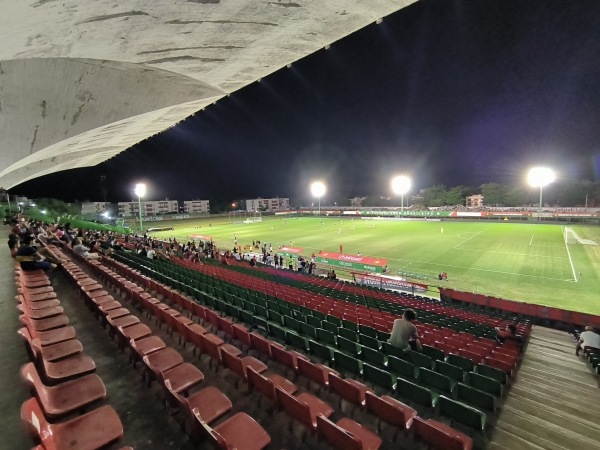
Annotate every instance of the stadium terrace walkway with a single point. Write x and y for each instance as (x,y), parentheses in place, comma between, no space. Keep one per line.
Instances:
(555,400)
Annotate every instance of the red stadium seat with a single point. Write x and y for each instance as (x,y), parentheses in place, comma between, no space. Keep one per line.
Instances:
(347,434)
(92,430)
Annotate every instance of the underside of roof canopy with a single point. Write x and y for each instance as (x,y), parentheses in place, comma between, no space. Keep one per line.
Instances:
(81,82)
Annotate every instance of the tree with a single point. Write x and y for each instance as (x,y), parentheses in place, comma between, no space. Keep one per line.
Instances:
(435,195)
(493,194)
(455,196)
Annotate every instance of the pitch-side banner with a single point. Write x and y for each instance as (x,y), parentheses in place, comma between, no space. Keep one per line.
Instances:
(355,262)
(290,251)
(388,283)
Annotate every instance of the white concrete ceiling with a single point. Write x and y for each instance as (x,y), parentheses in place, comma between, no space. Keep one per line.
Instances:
(81,81)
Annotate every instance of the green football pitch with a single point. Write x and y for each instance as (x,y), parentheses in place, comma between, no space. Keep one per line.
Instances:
(523,262)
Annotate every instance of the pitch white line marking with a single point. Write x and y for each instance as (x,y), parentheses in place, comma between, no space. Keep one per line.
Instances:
(531,239)
(570,260)
(468,239)
(509,253)
(486,270)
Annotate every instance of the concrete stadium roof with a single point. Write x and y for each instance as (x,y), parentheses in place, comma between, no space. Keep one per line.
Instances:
(81,82)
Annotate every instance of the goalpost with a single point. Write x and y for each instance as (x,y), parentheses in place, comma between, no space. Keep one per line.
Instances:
(571,237)
(245,216)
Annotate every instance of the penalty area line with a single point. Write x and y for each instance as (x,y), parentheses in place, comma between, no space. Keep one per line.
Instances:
(570,259)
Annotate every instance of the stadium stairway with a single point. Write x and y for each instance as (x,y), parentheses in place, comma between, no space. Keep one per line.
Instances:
(555,400)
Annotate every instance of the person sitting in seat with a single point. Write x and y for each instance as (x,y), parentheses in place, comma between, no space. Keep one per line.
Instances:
(507,335)
(589,338)
(404,333)
(30,259)
(81,250)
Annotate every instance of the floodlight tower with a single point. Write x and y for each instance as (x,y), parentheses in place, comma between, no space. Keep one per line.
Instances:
(140,191)
(540,177)
(400,186)
(318,189)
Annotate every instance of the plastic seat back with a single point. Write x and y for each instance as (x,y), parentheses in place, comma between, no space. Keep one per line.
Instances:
(337,437)
(294,407)
(440,436)
(390,410)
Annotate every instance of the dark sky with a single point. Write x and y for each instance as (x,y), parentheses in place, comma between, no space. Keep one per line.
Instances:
(450,92)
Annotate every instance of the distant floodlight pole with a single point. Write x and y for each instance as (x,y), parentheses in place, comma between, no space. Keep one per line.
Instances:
(140,191)
(540,177)
(401,185)
(318,190)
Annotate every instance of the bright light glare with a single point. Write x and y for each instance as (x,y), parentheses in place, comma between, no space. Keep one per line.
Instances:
(318,189)
(400,184)
(140,189)
(43,211)
(106,214)
(540,176)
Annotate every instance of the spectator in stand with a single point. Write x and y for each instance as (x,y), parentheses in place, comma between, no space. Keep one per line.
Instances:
(404,333)
(13,244)
(589,338)
(509,334)
(81,250)
(30,259)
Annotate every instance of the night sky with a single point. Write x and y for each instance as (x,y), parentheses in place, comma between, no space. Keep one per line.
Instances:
(449,92)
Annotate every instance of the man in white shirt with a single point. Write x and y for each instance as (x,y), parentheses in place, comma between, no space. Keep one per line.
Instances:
(404,333)
(589,338)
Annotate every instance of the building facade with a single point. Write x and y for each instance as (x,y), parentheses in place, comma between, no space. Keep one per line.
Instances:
(196,206)
(268,204)
(149,208)
(94,208)
(475,201)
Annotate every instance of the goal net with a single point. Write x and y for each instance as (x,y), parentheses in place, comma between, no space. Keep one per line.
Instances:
(571,237)
(245,216)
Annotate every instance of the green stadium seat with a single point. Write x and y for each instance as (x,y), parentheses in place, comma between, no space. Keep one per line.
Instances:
(389,349)
(308,330)
(298,341)
(233,311)
(349,325)
(261,323)
(460,361)
(275,317)
(321,351)
(369,341)
(404,368)
(349,346)
(314,321)
(332,327)
(261,311)
(416,393)
(319,315)
(375,357)
(453,372)
(419,359)
(278,332)
(246,317)
(492,372)
(348,363)
(434,353)
(475,397)
(291,323)
(462,413)
(334,320)
(485,384)
(348,334)
(379,377)
(326,337)
(436,380)
(368,331)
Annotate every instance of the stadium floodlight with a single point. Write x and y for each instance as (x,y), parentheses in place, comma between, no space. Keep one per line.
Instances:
(400,186)
(318,189)
(140,191)
(540,177)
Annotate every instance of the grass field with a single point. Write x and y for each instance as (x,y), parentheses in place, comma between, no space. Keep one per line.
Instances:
(523,262)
